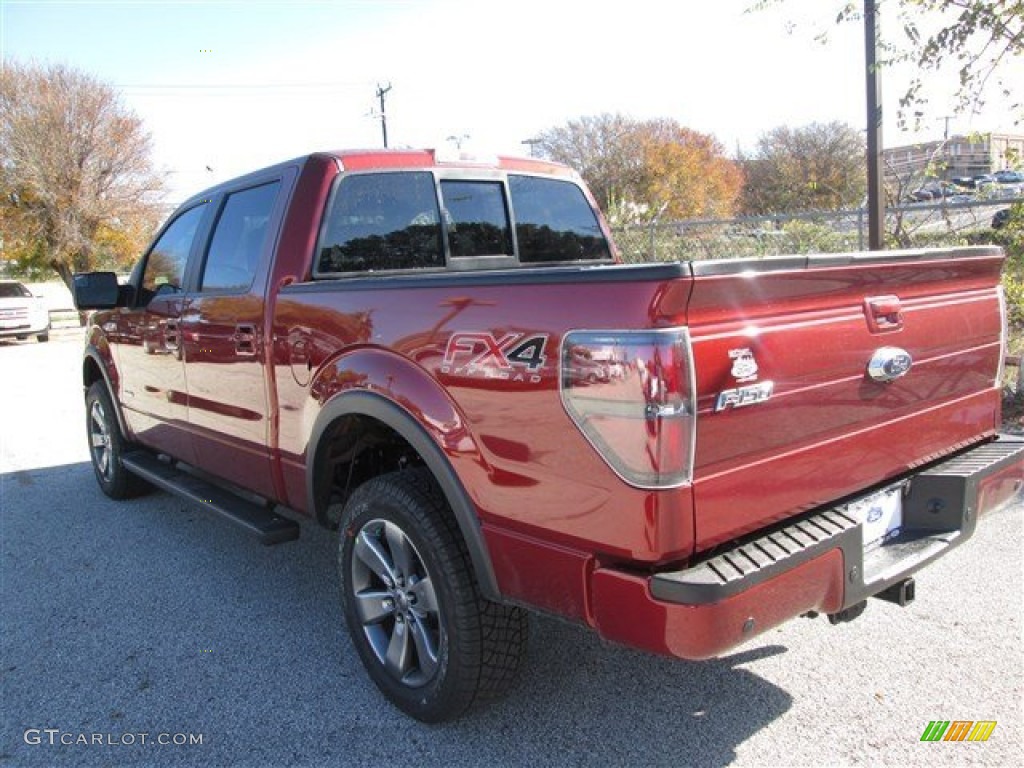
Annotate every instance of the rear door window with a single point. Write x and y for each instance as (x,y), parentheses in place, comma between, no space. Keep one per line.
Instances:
(381,221)
(238,239)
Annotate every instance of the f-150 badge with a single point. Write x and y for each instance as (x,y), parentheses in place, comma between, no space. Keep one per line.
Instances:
(744,396)
(744,366)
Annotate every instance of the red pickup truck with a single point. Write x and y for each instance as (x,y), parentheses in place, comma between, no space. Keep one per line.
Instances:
(441,359)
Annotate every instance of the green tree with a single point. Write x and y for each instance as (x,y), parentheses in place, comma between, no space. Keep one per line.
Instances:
(654,167)
(815,167)
(76,178)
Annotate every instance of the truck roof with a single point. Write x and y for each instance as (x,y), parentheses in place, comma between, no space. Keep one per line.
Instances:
(392,159)
(369,159)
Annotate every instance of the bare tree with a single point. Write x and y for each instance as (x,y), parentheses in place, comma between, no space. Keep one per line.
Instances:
(603,148)
(75,167)
(975,41)
(977,37)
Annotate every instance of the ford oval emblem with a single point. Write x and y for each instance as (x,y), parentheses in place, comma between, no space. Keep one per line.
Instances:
(889,363)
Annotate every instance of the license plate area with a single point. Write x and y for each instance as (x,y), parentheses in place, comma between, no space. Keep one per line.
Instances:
(880,515)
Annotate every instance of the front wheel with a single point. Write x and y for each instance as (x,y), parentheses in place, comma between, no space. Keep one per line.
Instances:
(107,446)
(429,641)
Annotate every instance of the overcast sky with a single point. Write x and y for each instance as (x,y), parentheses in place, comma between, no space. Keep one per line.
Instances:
(232,86)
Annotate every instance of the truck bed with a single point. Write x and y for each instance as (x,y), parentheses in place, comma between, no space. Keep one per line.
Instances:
(826,430)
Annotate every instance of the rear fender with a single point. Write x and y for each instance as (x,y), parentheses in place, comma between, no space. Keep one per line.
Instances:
(401,395)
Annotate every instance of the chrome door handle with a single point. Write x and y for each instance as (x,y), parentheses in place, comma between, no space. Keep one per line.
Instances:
(172,340)
(245,339)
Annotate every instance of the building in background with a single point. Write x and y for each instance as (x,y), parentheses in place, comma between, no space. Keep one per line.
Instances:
(956,157)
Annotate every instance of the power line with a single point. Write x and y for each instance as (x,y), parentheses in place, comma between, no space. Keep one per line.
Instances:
(238,86)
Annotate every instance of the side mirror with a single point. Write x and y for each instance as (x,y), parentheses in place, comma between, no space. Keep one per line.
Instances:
(95,290)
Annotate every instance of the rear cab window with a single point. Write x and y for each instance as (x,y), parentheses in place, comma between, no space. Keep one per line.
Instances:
(554,222)
(381,222)
(477,218)
(400,221)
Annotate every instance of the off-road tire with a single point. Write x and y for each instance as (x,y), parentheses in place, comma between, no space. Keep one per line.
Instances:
(401,522)
(107,446)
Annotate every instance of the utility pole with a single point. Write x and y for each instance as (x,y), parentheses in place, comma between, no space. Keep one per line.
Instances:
(381,93)
(532,144)
(945,132)
(876,198)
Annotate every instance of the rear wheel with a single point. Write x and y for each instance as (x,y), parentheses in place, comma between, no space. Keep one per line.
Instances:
(43,337)
(107,446)
(429,641)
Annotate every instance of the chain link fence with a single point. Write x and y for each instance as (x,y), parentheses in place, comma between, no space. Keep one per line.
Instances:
(913,226)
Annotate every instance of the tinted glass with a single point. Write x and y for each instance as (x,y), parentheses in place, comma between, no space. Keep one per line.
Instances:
(238,239)
(477,218)
(380,221)
(13,291)
(165,267)
(554,221)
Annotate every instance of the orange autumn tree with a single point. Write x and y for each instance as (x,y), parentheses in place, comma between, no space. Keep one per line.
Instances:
(686,174)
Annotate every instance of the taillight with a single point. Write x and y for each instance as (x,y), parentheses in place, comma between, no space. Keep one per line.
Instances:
(631,393)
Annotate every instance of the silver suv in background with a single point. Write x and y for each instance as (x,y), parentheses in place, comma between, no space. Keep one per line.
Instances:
(22,314)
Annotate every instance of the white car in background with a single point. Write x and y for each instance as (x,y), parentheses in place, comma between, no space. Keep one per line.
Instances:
(22,314)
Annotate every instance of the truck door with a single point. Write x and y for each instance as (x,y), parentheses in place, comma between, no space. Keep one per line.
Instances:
(148,342)
(223,337)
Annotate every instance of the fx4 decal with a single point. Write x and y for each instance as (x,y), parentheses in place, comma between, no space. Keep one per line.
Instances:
(513,357)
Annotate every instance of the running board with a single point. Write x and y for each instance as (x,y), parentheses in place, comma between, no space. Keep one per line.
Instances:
(267,526)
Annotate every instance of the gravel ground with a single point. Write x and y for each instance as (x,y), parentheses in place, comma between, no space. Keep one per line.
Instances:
(151,617)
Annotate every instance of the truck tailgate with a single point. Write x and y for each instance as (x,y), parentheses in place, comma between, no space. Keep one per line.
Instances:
(789,416)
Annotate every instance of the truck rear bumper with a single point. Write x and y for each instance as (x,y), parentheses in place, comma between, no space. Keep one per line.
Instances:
(817,563)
